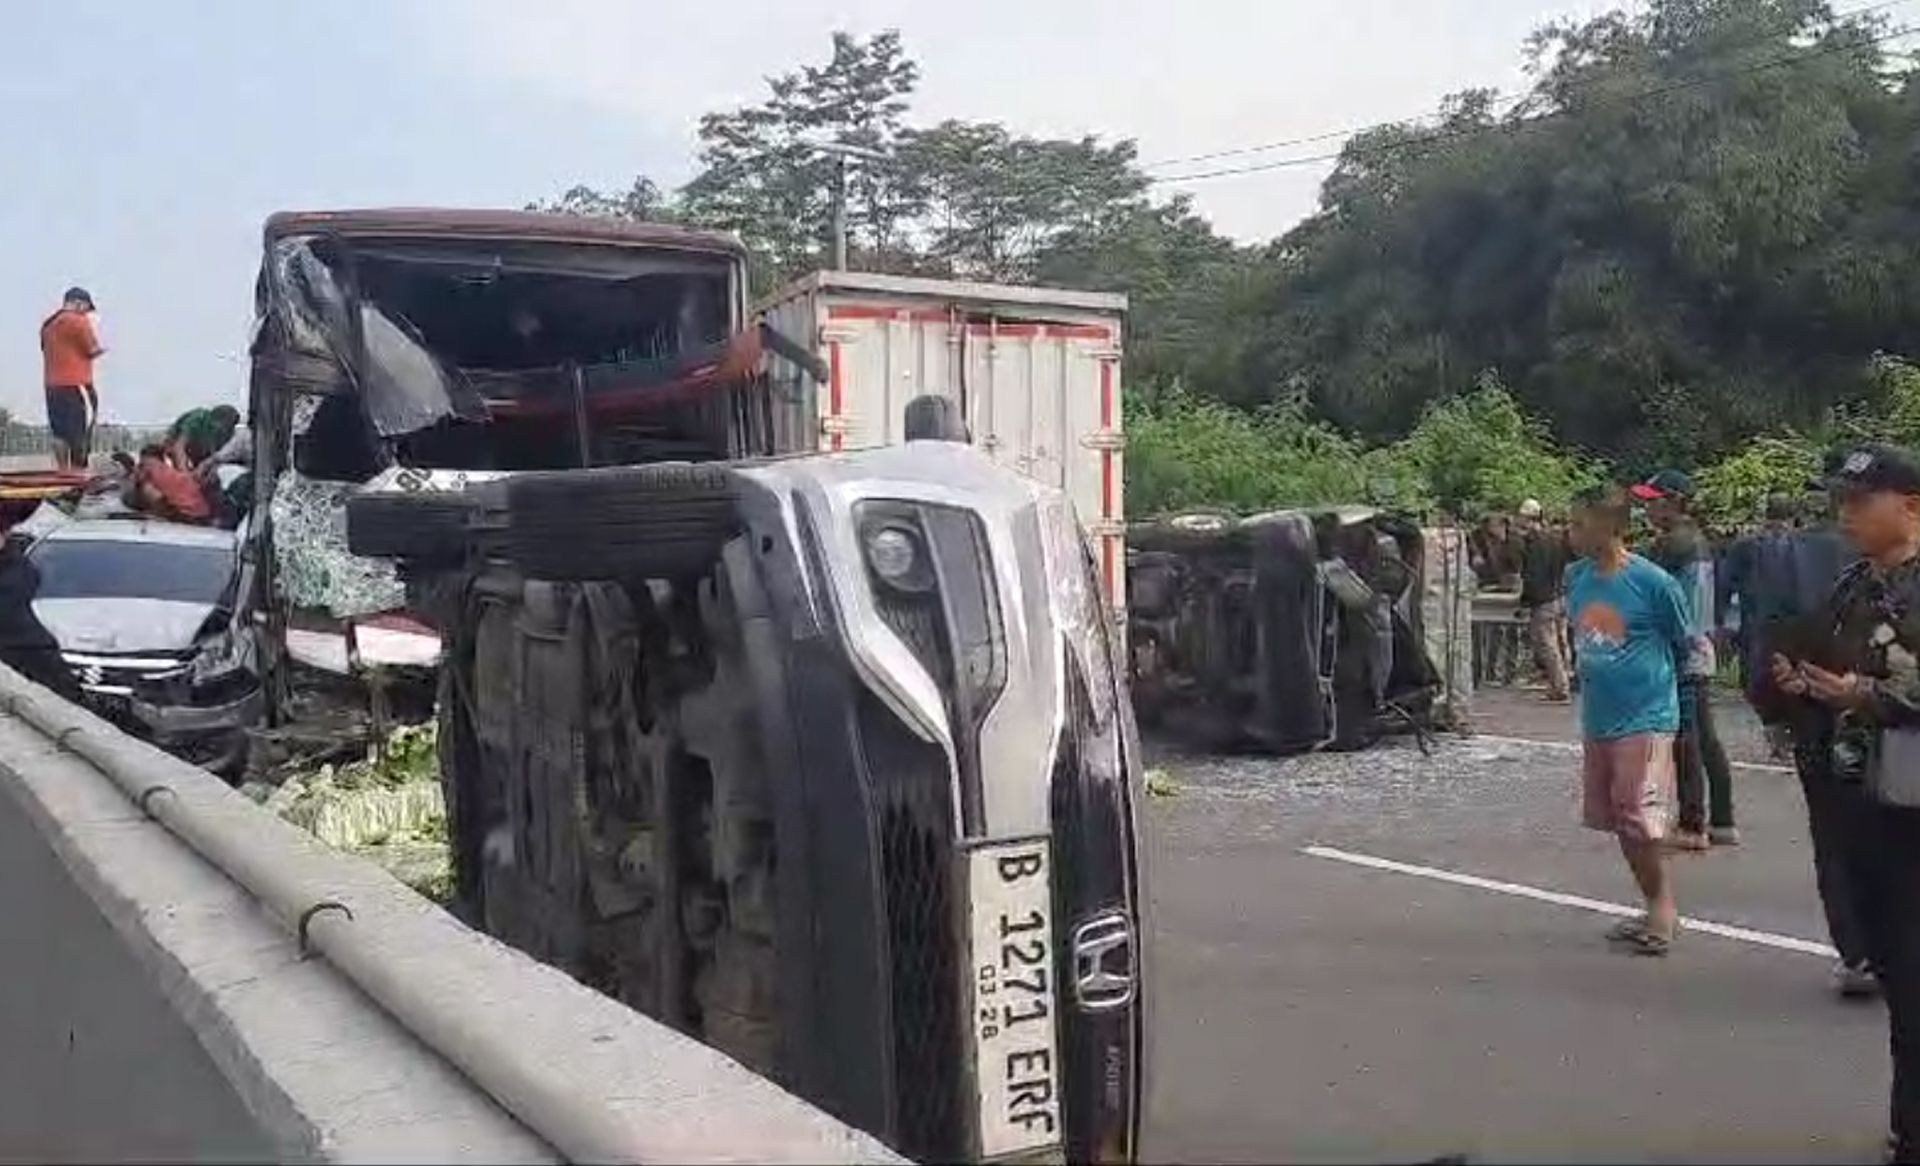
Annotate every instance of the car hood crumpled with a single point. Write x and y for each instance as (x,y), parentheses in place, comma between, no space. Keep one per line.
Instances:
(117,626)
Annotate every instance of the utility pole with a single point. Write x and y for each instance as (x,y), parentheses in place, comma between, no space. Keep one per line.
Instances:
(840,213)
(842,151)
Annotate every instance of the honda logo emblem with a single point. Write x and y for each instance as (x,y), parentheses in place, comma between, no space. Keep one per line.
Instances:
(1103,966)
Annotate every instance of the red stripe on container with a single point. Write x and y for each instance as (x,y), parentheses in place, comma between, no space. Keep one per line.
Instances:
(836,394)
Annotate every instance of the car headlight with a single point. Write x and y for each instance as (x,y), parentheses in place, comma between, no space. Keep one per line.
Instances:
(897,556)
(224,665)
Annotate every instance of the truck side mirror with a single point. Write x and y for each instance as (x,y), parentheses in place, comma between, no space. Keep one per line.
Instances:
(932,417)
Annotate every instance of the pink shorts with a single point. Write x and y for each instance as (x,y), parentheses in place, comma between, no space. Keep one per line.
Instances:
(1627,784)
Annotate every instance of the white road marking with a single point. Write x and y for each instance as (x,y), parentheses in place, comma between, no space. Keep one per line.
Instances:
(1574,747)
(1519,890)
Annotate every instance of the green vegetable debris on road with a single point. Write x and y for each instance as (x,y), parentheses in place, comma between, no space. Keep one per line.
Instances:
(386,807)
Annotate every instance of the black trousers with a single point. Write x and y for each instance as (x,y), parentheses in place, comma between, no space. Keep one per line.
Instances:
(1836,813)
(1890,884)
(1703,778)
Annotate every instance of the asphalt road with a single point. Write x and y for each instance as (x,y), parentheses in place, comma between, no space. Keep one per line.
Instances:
(1312,1009)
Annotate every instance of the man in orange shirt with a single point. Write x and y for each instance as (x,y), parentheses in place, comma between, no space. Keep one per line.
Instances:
(69,346)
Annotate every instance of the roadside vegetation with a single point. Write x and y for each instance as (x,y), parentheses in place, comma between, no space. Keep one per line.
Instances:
(1690,240)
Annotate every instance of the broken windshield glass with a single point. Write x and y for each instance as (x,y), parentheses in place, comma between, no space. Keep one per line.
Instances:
(403,387)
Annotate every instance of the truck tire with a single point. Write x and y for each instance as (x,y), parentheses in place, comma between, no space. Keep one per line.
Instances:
(629,522)
(426,527)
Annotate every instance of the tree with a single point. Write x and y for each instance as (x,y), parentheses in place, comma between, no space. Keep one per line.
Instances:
(641,202)
(1182,281)
(969,199)
(763,177)
(994,203)
(1694,227)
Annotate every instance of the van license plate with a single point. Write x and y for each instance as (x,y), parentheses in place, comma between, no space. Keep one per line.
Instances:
(1015,994)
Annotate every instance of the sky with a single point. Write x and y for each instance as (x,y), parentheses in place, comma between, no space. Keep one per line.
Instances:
(153,137)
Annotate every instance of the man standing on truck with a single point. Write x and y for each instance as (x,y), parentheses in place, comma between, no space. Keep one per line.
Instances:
(68,347)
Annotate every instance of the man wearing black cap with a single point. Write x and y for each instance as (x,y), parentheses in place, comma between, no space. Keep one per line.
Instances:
(1704,778)
(68,346)
(1860,679)
(1818,553)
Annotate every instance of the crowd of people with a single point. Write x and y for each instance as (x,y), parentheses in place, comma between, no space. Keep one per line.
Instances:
(1735,584)
(178,478)
(1820,609)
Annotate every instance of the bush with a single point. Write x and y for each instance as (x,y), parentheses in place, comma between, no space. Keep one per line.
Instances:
(1734,490)
(1185,452)
(1479,451)
(1468,454)
(1471,453)
(1894,412)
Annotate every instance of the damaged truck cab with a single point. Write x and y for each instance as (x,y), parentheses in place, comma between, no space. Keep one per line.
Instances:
(825,759)
(409,350)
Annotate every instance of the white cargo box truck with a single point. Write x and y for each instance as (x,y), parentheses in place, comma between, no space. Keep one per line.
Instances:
(1035,373)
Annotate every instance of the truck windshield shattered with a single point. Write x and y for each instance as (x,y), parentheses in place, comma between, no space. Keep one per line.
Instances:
(430,341)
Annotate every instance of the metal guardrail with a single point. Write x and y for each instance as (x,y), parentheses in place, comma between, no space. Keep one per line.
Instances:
(1498,607)
(598,1081)
(23,440)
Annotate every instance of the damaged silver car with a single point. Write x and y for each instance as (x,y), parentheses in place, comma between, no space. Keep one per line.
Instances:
(142,611)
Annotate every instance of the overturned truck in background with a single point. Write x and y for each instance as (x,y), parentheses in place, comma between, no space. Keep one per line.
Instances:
(826,760)
(1293,630)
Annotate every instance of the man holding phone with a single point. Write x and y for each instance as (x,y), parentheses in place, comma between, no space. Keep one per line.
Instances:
(1791,618)
(1859,684)
(69,345)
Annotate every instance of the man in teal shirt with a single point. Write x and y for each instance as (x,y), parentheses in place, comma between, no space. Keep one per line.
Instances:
(1630,628)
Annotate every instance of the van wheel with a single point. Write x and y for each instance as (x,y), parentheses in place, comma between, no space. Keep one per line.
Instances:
(619,523)
(423,527)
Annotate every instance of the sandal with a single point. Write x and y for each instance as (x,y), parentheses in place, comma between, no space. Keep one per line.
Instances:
(1627,930)
(1649,943)
(1634,935)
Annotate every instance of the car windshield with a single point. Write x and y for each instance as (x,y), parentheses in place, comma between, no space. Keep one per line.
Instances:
(117,569)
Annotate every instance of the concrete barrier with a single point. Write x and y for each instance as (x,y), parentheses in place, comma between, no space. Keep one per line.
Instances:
(157,1008)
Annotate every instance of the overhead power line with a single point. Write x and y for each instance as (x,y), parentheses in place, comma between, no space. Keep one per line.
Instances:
(1498,102)
(1526,123)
